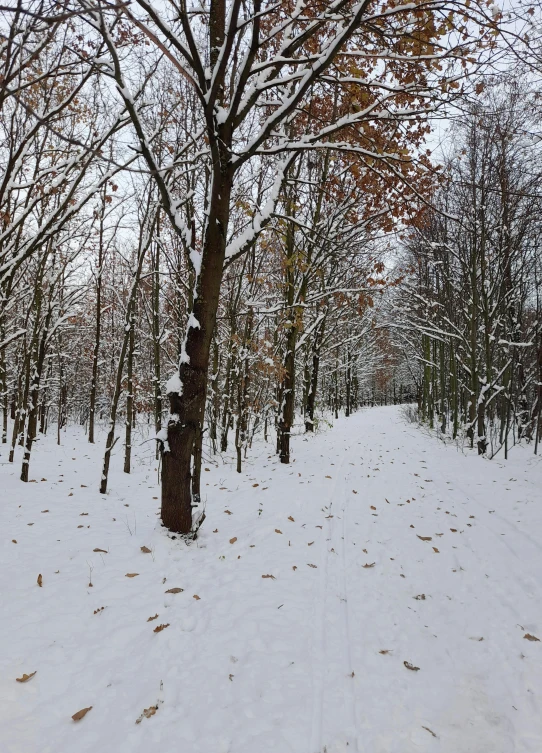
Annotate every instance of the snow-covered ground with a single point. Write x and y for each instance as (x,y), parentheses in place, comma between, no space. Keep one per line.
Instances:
(310,590)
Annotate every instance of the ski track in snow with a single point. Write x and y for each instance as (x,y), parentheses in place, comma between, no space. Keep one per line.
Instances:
(289,664)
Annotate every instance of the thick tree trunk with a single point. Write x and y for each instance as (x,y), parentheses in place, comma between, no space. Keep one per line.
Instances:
(187,405)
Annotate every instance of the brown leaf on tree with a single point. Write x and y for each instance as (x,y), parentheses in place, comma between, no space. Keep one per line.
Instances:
(424,538)
(145,549)
(159,628)
(131,575)
(39,581)
(25,677)
(175,590)
(100,550)
(530,637)
(153,618)
(269,576)
(410,666)
(80,714)
(372,564)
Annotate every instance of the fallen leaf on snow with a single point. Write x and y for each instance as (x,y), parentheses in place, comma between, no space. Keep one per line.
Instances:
(131,575)
(196,597)
(228,512)
(328,476)
(372,564)
(308,563)
(232,541)
(385,651)
(39,581)
(373,507)
(429,730)
(436,550)
(419,597)
(175,590)
(290,518)
(254,485)
(269,576)
(14,541)
(294,567)
(100,609)
(100,550)
(25,677)
(80,714)
(277,530)
(424,538)
(159,628)
(311,543)
(153,618)
(410,666)
(147,713)
(530,637)
(145,549)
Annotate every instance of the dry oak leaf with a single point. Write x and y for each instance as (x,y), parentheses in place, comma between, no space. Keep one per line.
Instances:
(131,575)
(436,550)
(39,581)
(80,714)
(424,538)
(530,637)
(25,677)
(277,530)
(196,597)
(159,628)
(269,576)
(232,541)
(145,549)
(372,564)
(151,711)
(153,618)
(100,550)
(410,666)
(290,518)
(175,590)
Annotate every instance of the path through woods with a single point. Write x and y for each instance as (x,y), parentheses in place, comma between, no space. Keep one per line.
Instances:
(310,590)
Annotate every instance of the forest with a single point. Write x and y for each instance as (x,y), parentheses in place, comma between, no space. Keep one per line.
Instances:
(228,227)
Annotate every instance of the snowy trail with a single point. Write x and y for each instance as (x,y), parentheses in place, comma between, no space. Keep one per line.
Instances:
(296,642)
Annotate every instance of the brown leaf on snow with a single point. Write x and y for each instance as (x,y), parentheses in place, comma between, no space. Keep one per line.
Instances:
(453,530)
(290,518)
(45,510)
(385,651)
(216,530)
(372,564)
(254,485)
(294,567)
(269,576)
(277,530)
(410,666)
(429,730)
(228,512)
(530,637)
(159,628)
(328,476)
(419,597)
(145,549)
(373,507)
(308,563)
(100,550)
(175,590)
(424,538)
(153,618)
(14,541)
(25,677)
(354,491)
(80,714)
(147,713)
(131,575)
(196,597)
(436,550)
(232,541)
(39,581)
(311,543)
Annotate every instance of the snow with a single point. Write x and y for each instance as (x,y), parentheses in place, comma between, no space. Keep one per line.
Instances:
(284,664)
(174,385)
